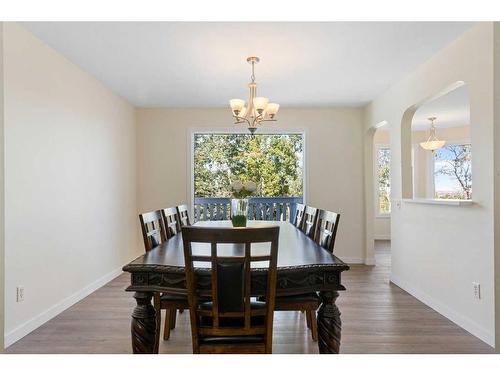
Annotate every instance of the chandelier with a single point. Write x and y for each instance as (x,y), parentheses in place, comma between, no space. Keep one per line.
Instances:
(258,110)
(432,143)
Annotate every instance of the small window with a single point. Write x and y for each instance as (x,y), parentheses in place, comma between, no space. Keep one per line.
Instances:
(384,180)
(452,172)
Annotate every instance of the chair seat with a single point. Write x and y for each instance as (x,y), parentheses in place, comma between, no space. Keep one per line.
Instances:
(231,339)
(305,301)
(306,297)
(173,301)
(226,322)
(255,305)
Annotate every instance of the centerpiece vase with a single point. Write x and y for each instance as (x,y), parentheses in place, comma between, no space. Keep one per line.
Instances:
(239,212)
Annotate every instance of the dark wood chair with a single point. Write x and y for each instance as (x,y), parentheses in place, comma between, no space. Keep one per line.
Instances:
(299,215)
(326,229)
(171,221)
(169,302)
(308,302)
(183,213)
(232,322)
(153,230)
(309,221)
(154,233)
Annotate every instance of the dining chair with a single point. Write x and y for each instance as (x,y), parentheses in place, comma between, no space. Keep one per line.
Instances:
(169,302)
(309,221)
(153,230)
(183,214)
(306,302)
(171,221)
(153,233)
(299,215)
(232,322)
(326,229)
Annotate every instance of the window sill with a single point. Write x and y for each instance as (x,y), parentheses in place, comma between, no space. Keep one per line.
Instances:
(442,202)
(383,216)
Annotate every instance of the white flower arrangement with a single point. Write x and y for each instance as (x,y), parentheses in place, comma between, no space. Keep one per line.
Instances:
(243,189)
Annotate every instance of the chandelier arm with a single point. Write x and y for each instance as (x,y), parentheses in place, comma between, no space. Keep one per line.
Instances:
(241,120)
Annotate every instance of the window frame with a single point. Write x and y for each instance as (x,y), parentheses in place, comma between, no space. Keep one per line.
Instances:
(431,168)
(376,184)
(241,130)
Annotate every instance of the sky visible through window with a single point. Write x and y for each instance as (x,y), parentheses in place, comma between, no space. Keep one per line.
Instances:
(453,172)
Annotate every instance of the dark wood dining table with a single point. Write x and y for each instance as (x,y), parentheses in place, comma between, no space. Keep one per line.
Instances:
(303,267)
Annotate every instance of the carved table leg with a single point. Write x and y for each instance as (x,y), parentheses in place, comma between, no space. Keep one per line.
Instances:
(329,325)
(144,325)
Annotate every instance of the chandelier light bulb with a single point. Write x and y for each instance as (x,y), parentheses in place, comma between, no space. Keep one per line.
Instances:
(260,103)
(236,105)
(272,109)
(432,145)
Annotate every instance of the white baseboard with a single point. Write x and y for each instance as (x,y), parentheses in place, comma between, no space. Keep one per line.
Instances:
(35,322)
(457,318)
(370,261)
(352,260)
(382,236)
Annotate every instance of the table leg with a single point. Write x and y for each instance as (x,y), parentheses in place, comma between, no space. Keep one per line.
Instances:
(329,325)
(144,325)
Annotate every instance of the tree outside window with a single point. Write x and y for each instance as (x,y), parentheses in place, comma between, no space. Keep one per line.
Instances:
(453,172)
(384,180)
(274,161)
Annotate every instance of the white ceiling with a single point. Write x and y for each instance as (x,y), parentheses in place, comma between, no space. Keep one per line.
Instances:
(451,110)
(203,64)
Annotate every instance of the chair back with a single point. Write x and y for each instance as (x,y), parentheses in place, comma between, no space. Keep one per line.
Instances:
(153,231)
(171,221)
(299,215)
(309,221)
(183,214)
(326,229)
(231,321)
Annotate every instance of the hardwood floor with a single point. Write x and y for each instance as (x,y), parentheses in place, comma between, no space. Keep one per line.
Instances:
(377,317)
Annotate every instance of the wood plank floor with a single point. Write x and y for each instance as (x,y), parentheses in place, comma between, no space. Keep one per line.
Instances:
(377,317)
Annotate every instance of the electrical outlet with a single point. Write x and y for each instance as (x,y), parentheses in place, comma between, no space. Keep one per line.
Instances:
(397,203)
(20,293)
(476,287)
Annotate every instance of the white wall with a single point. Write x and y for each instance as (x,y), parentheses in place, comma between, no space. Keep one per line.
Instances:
(70,192)
(334,163)
(438,251)
(2,181)
(496,138)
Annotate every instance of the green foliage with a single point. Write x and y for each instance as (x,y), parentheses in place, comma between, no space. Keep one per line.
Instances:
(384,180)
(272,160)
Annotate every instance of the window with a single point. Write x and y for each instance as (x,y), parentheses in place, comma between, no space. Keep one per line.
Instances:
(274,161)
(383,159)
(453,172)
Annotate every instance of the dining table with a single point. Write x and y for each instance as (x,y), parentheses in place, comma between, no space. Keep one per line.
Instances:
(303,267)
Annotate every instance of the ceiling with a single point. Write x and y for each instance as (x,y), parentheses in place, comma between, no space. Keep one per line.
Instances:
(451,110)
(169,64)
